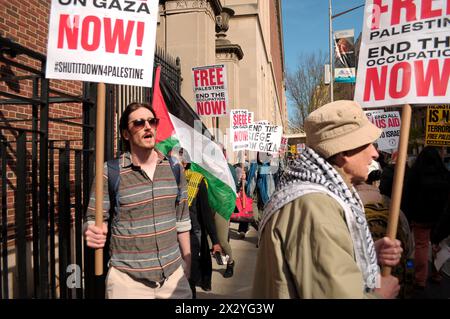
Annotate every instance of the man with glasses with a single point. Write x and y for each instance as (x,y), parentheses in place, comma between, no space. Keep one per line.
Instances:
(314,239)
(150,227)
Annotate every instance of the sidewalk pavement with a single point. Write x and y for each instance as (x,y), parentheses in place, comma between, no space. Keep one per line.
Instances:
(240,285)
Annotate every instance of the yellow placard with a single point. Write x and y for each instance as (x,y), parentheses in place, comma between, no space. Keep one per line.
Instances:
(437,132)
(293,149)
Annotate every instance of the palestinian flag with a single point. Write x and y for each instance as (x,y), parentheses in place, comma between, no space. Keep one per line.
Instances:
(180,125)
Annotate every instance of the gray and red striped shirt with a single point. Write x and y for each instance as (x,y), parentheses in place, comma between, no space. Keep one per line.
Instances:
(144,241)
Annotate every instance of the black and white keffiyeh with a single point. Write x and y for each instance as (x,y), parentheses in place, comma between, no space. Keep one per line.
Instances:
(312,173)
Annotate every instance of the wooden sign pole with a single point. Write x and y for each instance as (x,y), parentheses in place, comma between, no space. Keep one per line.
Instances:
(394,210)
(99,162)
(244,199)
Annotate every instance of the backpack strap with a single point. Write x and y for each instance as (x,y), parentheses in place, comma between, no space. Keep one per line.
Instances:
(176,170)
(113,187)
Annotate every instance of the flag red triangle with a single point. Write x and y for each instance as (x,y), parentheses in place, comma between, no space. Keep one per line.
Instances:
(165,127)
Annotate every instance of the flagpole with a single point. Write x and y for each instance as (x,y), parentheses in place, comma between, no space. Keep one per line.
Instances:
(99,160)
(331,51)
(244,200)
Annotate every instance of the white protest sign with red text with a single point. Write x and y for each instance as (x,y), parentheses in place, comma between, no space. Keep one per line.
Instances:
(102,41)
(390,123)
(251,116)
(404,56)
(210,90)
(239,129)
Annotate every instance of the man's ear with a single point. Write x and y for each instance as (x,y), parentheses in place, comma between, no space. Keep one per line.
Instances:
(340,159)
(125,135)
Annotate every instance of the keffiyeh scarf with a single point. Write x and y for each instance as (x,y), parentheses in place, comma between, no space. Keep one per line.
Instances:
(312,173)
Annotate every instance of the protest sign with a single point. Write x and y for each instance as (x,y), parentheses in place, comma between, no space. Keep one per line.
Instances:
(210,90)
(404,56)
(251,116)
(373,112)
(300,147)
(344,62)
(438,125)
(264,137)
(239,129)
(293,149)
(102,41)
(390,123)
(284,143)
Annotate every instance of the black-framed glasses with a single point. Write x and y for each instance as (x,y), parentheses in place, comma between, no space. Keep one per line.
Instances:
(140,123)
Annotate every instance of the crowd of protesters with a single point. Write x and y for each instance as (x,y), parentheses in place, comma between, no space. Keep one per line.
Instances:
(321,215)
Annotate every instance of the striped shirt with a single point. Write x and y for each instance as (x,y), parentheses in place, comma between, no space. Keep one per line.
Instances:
(144,241)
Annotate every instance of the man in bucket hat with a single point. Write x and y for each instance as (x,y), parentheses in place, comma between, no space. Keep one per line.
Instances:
(314,239)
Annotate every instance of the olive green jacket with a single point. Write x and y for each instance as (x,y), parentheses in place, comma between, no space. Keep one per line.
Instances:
(306,251)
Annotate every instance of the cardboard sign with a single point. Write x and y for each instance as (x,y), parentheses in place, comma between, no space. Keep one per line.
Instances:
(102,41)
(404,53)
(210,90)
(390,123)
(264,138)
(239,129)
(438,125)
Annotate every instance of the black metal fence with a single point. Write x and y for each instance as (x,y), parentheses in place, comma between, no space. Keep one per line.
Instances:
(45,184)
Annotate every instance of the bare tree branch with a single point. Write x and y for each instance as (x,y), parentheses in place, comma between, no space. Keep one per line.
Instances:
(306,88)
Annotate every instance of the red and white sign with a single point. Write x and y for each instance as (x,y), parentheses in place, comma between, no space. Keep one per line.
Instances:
(251,117)
(404,56)
(390,123)
(284,143)
(111,41)
(210,90)
(239,129)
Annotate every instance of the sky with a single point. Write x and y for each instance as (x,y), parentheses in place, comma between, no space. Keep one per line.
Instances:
(306,28)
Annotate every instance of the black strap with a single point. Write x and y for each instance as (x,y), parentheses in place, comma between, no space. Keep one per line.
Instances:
(113,187)
(176,170)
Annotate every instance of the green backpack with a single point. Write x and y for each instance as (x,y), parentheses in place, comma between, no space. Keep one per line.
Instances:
(377,215)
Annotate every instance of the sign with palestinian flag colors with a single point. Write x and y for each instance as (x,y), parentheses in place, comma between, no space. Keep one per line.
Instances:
(102,41)
(210,90)
(180,126)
